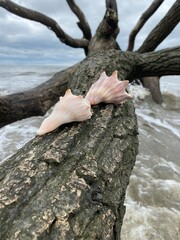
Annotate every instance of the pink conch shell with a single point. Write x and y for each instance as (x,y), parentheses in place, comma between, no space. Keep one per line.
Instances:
(108,90)
(70,108)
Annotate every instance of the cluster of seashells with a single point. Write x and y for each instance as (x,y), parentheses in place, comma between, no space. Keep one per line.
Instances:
(72,108)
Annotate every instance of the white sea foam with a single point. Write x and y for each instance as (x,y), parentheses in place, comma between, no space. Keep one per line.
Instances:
(15,135)
(158,123)
(150,223)
(170,85)
(138,92)
(3,92)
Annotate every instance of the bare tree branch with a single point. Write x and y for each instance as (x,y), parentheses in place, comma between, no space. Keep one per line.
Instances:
(152,83)
(162,30)
(159,63)
(106,33)
(112,4)
(82,24)
(45,20)
(143,19)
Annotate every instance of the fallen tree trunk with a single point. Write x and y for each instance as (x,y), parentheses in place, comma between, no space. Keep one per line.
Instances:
(71,183)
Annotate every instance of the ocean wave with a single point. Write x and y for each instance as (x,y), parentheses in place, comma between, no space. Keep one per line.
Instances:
(157,123)
(4,92)
(171,101)
(149,223)
(15,135)
(27,73)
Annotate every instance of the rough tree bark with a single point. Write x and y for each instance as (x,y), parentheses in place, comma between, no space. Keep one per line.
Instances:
(71,183)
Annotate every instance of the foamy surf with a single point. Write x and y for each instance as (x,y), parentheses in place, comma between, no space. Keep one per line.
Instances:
(150,223)
(15,135)
(138,92)
(153,195)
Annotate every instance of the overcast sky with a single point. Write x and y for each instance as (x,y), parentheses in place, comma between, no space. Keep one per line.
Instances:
(27,42)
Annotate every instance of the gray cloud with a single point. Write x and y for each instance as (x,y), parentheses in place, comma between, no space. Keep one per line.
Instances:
(23,41)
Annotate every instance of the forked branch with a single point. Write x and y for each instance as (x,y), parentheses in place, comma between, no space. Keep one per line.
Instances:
(106,33)
(143,19)
(83,23)
(112,5)
(45,20)
(162,30)
(159,63)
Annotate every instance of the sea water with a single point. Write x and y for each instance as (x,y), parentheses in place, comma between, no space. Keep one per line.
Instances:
(153,195)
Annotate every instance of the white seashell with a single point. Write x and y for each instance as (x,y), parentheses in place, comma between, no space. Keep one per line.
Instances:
(108,90)
(70,108)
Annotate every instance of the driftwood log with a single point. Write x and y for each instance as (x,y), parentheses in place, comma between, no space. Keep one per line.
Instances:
(71,183)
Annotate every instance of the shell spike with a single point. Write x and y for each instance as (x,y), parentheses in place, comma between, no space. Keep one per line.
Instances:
(108,90)
(115,74)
